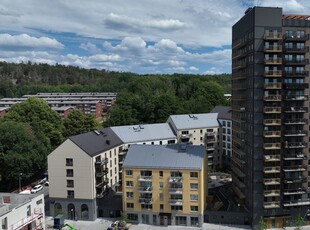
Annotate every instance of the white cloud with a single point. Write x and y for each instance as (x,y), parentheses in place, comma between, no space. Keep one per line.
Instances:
(193,68)
(213,71)
(90,47)
(24,41)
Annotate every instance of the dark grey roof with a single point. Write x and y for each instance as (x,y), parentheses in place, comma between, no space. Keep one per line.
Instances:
(165,156)
(97,142)
(224,112)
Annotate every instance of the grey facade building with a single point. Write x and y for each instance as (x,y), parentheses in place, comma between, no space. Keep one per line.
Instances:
(270,113)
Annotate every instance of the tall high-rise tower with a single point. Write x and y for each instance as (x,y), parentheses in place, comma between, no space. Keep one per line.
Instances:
(270,112)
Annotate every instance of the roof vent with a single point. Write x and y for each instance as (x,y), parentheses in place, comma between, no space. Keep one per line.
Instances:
(107,142)
(97,132)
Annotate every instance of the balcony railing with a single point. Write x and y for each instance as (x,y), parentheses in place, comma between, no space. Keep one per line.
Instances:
(273,48)
(102,162)
(292,133)
(295,85)
(272,181)
(295,145)
(269,134)
(275,169)
(273,61)
(273,85)
(295,49)
(295,73)
(178,202)
(298,156)
(295,61)
(185,136)
(295,121)
(272,98)
(145,189)
(294,179)
(145,200)
(295,168)
(272,121)
(294,191)
(270,193)
(175,190)
(273,204)
(297,98)
(175,180)
(272,146)
(272,110)
(295,109)
(268,158)
(273,36)
(296,203)
(295,37)
(145,178)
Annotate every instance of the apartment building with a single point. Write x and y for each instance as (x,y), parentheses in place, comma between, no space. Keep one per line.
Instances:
(3,111)
(165,184)
(225,134)
(80,171)
(198,129)
(22,211)
(270,112)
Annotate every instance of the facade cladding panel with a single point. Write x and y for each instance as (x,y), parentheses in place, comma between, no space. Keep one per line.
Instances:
(270,78)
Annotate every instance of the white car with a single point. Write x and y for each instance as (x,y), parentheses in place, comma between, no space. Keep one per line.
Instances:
(36,188)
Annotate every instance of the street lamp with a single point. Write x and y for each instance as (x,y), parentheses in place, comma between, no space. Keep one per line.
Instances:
(20,181)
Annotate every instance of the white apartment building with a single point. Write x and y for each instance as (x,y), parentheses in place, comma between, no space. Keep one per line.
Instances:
(19,211)
(225,133)
(198,129)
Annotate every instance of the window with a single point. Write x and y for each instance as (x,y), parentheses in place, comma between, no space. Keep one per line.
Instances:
(5,223)
(132,217)
(69,162)
(110,172)
(161,207)
(194,221)
(70,183)
(161,196)
(128,172)
(69,172)
(29,210)
(209,130)
(194,186)
(194,174)
(200,131)
(177,208)
(115,170)
(39,202)
(129,205)
(180,220)
(146,173)
(224,130)
(146,206)
(193,197)
(194,208)
(224,123)
(161,184)
(161,173)
(228,123)
(185,132)
(228,131)
(70,193)
(115,161)
(175,174)
(129,183)
(160,142)
(171,142)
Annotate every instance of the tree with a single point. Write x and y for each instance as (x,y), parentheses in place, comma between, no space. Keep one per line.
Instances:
(298,222)
(262,224)
(77,123)
(20,152)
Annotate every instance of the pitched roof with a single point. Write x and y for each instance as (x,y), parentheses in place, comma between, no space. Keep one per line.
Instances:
(140,133)
(165,156)
(97,142)
(194,121)
(224,112)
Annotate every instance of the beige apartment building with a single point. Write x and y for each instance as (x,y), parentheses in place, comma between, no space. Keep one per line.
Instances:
(165,184)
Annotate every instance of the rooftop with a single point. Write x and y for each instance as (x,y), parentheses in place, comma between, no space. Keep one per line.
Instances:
(296,16)
(194,121)
(140,133)
(96,142)
(165,156)
(224,112)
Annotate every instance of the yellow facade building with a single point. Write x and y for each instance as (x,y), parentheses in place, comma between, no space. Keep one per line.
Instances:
(165,184)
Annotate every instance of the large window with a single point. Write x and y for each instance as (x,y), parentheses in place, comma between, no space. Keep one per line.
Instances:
(175,174)
(177,208)
(194,221)
(70,183)
(146,206)
(180,220)
(69,162)
(70,194)
(194,186)
(132,217)
(193,197)
(194,174)
(129,205)
(129,183)
(194,208)
(128,172)
(69,172)
(146,173)
(129,194)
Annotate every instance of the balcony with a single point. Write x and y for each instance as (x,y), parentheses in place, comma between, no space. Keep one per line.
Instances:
(272,109)
(210,133)
(298,156)
(295,121)
(295,85)
(295,49)
(185,136)
(175,180)
(295,73)
(272,98)
(273,61)
(273,73)
(238,43)
(295,145)
(295,168)
(295,37)
(275,169)
(294,191)
(294,179)
(272,181)
(295,61)
(270,146)
(175,190)
(273,48)
(295,133)
(102,173)
(296,98)
(273,204)
(210,147)
(145,200)
(145,189)
(177,202)
(145,178)
(102,162)
(295,109)
(239,76)
(210,139)
(270,158)
(102,183)
(269,134)
(273,36)
(296,203)
(270,193)
(272,121)
(273,85)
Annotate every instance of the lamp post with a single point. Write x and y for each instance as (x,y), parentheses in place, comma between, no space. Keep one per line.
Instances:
(20,181)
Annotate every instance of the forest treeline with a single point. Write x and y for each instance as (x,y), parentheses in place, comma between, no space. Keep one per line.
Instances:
(147,98)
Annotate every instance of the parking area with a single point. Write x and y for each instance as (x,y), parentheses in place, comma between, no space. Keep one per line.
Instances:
(103,224)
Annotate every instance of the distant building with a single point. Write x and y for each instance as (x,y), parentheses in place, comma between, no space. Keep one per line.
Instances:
(3,111)
(63,111)
(225,133)
(198,129)
(165,184)
(19,211)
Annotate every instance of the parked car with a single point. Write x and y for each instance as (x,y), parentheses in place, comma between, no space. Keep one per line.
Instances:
(36,188)
(119,225)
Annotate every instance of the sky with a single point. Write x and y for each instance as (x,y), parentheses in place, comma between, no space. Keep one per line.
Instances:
(140,36)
